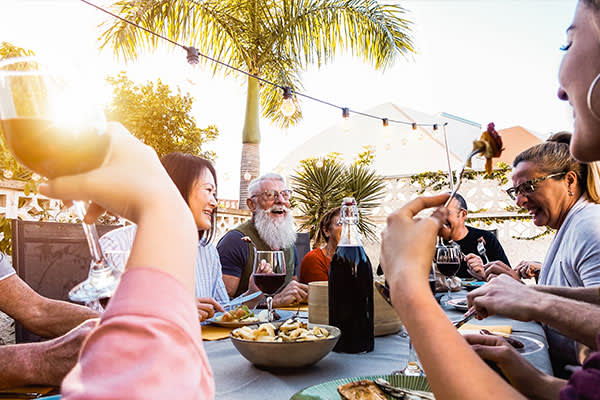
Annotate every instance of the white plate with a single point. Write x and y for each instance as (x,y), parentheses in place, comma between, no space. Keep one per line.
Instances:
(283,314)
(530,345)
(460,303)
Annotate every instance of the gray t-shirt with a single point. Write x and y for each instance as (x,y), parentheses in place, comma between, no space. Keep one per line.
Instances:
(573,259)
(6,268)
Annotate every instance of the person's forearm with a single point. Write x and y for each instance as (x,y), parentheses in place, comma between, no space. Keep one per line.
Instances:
(24,364)
(443,351)
(167,240)
(549,390)
(585,294)
(55,318)
(575,319)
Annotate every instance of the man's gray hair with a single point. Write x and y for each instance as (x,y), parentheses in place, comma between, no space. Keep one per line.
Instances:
(255,186)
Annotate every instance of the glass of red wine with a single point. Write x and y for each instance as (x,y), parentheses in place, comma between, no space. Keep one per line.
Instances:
(269,275)
(447,259)
(52,126)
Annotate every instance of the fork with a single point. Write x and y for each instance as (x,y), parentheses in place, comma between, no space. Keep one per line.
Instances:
(481,251)
(460,175)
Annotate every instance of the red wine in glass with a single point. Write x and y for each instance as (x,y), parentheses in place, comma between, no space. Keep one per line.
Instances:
(448,269)
(269,275)
(269,284)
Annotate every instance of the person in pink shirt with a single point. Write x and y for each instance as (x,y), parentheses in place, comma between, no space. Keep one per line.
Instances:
(148,341)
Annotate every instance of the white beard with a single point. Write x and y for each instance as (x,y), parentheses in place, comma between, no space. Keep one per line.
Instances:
(278,234)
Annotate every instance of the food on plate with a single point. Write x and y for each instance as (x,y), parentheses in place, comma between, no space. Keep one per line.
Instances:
(291,330)
(513,342)
(361,390)
(490,143)
(238,314)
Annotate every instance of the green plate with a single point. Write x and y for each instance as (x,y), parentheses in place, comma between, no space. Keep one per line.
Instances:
(328,390)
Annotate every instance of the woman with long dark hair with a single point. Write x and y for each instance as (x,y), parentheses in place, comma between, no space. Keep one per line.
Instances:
(196,180)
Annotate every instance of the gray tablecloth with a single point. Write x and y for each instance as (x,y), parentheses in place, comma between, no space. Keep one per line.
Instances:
(236,378)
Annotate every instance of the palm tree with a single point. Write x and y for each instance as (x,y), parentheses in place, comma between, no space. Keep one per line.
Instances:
(321,184)
(271,39)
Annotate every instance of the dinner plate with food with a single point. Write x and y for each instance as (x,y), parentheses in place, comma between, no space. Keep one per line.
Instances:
(242,316)
(460,303)
(378,387)
(523,344)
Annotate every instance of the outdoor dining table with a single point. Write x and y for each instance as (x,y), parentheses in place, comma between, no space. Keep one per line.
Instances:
(237,378)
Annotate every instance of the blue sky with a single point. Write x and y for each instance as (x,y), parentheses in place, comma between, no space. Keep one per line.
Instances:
(483,60)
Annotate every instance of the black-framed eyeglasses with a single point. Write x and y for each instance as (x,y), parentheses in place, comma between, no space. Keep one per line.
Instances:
(528,187)
(271,195)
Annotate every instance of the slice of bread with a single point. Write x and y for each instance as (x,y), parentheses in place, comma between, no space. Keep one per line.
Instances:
(361,390)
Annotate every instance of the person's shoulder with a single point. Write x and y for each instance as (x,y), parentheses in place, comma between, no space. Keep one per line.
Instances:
(122,231)
(313,254)
(231,238)
(477,232)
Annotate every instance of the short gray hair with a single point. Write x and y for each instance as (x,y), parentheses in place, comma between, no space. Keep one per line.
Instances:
(256,184)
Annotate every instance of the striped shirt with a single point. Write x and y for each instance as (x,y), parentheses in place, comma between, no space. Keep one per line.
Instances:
(209,279)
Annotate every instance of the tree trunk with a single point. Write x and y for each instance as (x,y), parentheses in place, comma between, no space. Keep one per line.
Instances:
(250,160)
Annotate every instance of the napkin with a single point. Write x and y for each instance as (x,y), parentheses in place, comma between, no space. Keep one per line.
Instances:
(502,329)
(211,332)
(303,307)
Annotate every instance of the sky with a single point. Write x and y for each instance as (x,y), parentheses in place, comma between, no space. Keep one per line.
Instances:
(482,60)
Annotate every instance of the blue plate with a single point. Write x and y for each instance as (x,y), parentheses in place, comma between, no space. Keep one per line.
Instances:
(470,285)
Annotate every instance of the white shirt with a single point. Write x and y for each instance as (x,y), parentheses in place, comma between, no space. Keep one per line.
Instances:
(209,279)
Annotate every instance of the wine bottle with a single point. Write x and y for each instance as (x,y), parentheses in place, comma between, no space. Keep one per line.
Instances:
(351,287)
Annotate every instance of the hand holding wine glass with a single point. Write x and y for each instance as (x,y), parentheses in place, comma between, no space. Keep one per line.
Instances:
(269,274)
(52,128)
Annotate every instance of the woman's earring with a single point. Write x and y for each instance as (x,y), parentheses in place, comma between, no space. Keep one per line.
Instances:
(589,96)
(570,192)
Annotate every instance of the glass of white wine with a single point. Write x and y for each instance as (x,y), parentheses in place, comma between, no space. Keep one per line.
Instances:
(52,127)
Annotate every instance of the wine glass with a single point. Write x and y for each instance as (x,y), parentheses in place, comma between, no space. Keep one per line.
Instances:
(447,259)
(269,275)
(52,127)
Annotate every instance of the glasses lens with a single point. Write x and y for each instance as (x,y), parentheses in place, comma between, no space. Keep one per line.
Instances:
(512,193)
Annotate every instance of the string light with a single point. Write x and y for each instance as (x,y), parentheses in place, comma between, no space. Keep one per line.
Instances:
(288,108)
(319,164)
(193,57)
(7,173)
(247,176)
(385,122)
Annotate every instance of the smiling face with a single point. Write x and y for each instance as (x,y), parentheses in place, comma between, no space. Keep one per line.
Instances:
(277,207)
(578,69)
(550,201)
(202,200)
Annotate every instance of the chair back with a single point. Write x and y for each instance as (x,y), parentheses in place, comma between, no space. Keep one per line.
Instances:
(302,247)
(51,258)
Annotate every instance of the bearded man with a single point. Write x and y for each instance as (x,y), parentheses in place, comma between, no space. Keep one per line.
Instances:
(270,228)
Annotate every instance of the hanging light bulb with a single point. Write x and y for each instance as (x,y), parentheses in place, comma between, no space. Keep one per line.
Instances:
(247,176)
(319,164)
(346,117)
(35,177)
(288,108)
(386,122)
(192,66)
(435,127)
(414,126)
(7,173)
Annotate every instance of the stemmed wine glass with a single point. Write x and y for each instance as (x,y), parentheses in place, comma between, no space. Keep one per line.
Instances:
(447,259)
(269,275)
(51,126)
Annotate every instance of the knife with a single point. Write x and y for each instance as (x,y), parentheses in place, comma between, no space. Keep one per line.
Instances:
(241,299)
(19,395)
(468,316)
